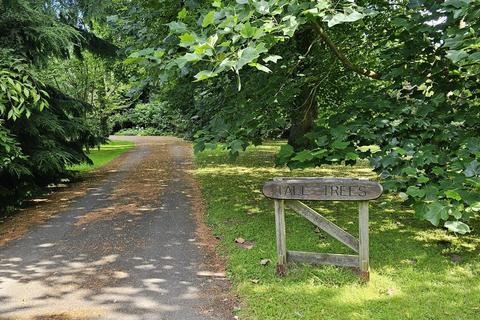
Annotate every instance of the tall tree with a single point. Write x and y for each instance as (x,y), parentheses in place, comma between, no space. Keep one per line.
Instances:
(44,130)
(407,99)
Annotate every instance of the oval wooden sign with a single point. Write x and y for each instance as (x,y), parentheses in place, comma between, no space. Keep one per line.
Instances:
(336,189)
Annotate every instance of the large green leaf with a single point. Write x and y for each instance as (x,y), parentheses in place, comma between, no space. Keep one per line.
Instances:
(457,227)
(208,19)
(246,56)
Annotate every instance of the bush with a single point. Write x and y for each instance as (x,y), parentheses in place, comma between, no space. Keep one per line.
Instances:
(140,132)
(153,118)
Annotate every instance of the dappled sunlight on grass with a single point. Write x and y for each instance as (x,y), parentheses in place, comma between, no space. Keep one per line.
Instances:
(415,268)
(102,155)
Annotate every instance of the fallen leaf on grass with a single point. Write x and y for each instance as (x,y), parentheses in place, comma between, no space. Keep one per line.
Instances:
(240,240)
(264,262)
(255,281)
(244,244)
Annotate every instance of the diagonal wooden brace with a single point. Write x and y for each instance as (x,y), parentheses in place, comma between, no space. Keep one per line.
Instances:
(324,224)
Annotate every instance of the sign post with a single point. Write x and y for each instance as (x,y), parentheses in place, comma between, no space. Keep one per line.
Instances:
(287,192)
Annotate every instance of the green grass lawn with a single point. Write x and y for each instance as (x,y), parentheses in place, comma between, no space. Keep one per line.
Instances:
(103,155)
(417,271)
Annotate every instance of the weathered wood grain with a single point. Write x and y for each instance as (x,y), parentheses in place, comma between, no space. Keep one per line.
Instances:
(363,238)
(281,236)
(323,223)
(343,260)
(338,189)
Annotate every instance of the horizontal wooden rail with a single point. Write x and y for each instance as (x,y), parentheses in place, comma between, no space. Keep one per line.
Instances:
(343,260)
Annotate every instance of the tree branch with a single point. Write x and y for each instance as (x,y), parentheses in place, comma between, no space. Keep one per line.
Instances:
(339,54)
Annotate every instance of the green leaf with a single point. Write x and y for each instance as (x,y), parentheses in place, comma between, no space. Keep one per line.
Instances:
(410,171)
(303,156)
(225,44)
(286,151)
(403,196)
(208,19)
(188,57)
(456,55)
(272,58)
(436,212)
(291,25)
(247,30)
(452,194)
(351,156)
(177,27)
(236,146)
(456,3)
(319,153)
(262,6)
(475,207)
(187,38)
(400,151)
(246,56)
(472,169)
(205,74)
(457,227)
(260,67)
(422,179)
(182,14)
(415,192)
(342,17)
(340,144)
(438,171)
(225,64)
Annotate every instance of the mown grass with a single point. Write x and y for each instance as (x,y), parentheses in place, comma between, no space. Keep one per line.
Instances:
(104,154)
(417,272)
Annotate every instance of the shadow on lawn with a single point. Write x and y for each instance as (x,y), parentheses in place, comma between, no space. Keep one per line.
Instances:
(397,238)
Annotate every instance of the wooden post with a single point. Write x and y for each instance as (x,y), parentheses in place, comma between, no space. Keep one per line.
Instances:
(291,192)
(363,240)
(281,237)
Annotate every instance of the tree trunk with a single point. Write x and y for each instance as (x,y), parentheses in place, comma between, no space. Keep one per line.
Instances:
(304,112)
(303,118)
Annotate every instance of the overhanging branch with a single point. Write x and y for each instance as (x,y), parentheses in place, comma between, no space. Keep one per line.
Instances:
(339,54)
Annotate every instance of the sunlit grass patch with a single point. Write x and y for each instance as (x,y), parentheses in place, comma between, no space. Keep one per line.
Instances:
(104,154)
(417,271)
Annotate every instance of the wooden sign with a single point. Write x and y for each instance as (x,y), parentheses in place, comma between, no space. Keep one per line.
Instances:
(338,189)
(287,192)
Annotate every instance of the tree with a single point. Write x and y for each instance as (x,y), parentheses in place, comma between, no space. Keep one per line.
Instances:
(408,99)
(43,130)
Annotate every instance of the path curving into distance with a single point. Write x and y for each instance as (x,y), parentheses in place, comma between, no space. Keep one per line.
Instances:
(130,246)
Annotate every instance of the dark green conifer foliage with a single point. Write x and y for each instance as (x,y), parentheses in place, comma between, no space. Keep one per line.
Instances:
(42,130)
